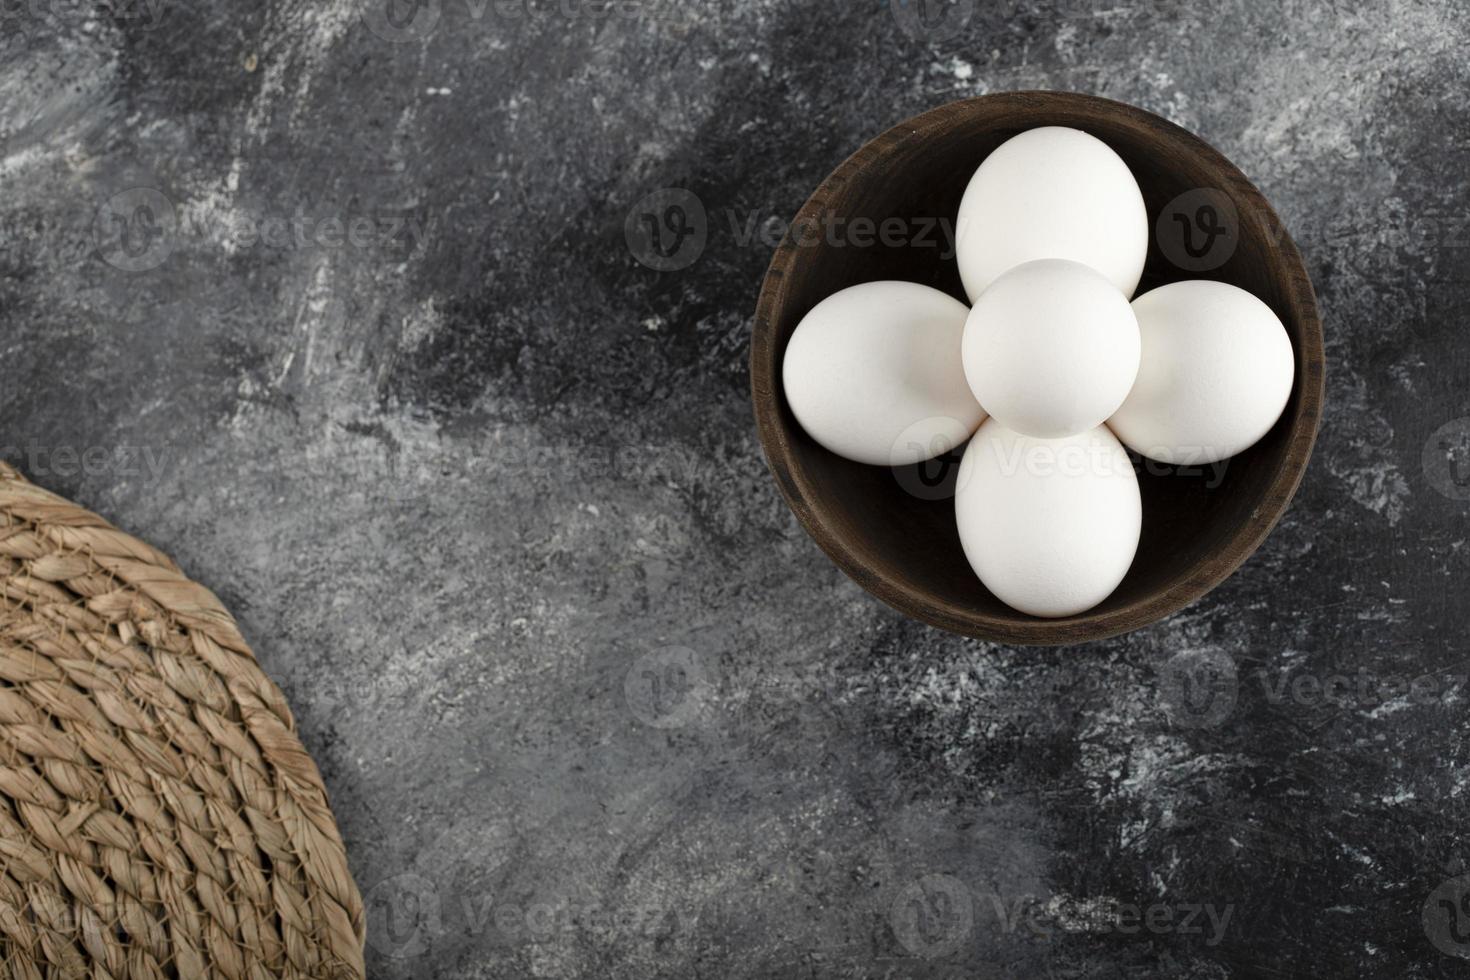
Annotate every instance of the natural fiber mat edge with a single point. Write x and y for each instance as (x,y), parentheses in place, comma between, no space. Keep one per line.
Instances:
(159,817)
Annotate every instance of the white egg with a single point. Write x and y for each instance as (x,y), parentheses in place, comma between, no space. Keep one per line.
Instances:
(1215,373)
(1050,525)
(1051,349)
(873,373)
(1052,193)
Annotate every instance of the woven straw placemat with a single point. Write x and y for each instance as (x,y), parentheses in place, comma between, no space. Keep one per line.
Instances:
(159,817)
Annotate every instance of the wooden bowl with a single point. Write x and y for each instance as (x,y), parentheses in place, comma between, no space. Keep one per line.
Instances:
(892,531)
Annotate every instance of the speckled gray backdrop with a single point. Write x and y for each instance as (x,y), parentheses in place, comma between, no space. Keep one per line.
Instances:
(332,301)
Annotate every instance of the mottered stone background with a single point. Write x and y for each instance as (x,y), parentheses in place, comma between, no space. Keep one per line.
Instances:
(335,302)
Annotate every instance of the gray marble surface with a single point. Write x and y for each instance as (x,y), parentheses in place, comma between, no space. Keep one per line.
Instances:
(333,302)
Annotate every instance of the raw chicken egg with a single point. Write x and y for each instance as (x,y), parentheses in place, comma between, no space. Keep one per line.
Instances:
(1215,373)
(1051,349)
(1049,525)
(874,374)
(1052,193)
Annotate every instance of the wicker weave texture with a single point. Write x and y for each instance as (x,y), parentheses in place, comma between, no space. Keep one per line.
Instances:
(159,818)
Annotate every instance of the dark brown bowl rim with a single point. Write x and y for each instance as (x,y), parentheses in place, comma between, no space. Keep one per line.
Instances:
(798,493)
